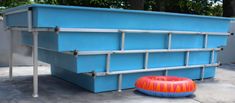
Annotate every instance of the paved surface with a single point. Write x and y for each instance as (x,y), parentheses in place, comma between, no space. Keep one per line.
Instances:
(54,90)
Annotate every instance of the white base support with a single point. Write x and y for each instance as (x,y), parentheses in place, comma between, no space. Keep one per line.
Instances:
(120,83)
(35,64)
(11,56)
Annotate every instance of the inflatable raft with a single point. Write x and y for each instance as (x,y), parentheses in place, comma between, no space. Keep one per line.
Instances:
(165,86)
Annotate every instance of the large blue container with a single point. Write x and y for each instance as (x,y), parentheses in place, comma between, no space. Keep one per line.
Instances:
(105,53)
(48,16)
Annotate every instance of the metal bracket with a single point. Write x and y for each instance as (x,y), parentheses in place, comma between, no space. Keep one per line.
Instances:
(146,60)
(30,19)
(123,41)
(205,40)
(212,56)
(166,72)
(169,40)
(187,58)
(108,58)
(202,73)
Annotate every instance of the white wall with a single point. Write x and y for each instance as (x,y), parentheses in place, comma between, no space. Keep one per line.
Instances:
(22,54)
(228,54)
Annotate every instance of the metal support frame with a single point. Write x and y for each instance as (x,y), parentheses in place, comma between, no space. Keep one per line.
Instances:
(108,58)
(169,40)
(30,20)
(119,82)
(166,72)
(35,64)
(205,40)
(155,69)
(4,22)
(142,51)
(123,41)
(122,30)
(11,55)
(187,58)
(212,56)
(146,60)
(202,72)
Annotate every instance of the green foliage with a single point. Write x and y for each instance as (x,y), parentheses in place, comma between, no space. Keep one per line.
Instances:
(201,7)
(13,3)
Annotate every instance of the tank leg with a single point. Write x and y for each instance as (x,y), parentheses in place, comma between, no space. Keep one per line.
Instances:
(35,64)
(120,83)
(11,55)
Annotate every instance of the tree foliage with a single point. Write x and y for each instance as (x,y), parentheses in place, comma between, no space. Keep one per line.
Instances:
(201,7)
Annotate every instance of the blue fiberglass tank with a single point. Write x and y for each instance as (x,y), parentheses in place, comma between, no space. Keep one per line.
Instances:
(99,52)
(48,16)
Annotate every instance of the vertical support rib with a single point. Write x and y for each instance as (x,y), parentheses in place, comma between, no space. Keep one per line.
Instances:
(30,20)
(108,62)
(166,72)
(187,58)
(35,64)
(205,40)
(146,60)
(212,56)
(11,55)
(202,73)
(169,40)
(123,41)
(4,22)
(119,82)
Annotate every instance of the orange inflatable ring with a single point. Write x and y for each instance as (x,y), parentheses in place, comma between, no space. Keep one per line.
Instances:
(165,86)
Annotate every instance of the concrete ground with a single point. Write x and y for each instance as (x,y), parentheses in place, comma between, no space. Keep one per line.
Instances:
(54,90)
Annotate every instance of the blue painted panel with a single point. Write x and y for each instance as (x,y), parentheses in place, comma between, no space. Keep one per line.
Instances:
(48,40)
(111,41)
(215,41)
(90,63)
(138,41)
(110,19)
(88,41)
(187,41)
(18,19)
(209,72)
(166,59)
(189,73)
(105,83)
(81,80)
(109,83)
(199,58)
(126,62)
(83,17)
(58,59)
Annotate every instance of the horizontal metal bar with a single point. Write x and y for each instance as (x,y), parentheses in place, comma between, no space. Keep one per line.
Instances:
(127,31)
(33,29)
(155,69)
(173,32)
(88,30)
(16,11)
(144,51)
